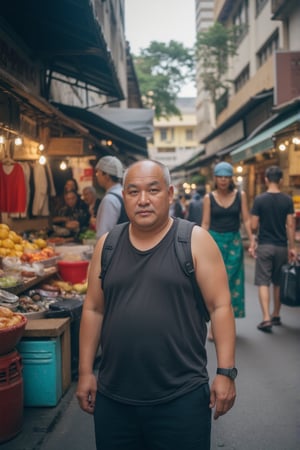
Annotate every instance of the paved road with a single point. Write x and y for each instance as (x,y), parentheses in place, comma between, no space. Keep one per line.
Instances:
(267,411)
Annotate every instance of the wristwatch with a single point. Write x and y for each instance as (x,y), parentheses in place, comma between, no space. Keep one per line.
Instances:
(231,372)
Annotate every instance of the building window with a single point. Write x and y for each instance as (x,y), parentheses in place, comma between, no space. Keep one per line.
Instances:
(259,6)
(242,78)
(172,134)
(189,135)
(163,134)
(268,49)
(166,150)
(241,20)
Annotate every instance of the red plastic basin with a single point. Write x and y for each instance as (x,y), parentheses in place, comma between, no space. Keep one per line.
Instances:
(73,271)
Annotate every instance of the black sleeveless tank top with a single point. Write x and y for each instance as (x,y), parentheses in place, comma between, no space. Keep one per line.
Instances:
(153,338)
(224,220)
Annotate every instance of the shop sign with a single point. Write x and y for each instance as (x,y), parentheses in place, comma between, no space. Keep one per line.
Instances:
(287,76)
(294,165)
(16,63)
(67,147)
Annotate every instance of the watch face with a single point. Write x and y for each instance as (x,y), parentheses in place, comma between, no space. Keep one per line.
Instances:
(231,373)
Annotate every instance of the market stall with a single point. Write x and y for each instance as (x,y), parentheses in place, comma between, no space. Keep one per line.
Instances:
(46,285)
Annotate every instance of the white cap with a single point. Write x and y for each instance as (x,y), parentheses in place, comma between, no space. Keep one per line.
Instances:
(110,165)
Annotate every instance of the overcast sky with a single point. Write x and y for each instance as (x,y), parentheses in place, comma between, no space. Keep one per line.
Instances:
(160,20)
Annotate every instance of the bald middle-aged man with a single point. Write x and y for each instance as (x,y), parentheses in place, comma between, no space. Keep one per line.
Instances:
(152,390)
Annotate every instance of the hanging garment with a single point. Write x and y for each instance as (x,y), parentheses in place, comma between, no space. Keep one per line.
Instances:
(51,187)
(43,187)
(26,169)
(40,206)
(12,188)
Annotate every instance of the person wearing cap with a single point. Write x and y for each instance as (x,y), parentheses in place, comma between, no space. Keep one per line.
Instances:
(109,174)
(223,209)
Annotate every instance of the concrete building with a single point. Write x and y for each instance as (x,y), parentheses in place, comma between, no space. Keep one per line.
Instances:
(258,116)
(204,106)
(175,139)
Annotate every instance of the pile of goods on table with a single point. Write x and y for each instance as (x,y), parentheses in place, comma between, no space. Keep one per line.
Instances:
(40,267)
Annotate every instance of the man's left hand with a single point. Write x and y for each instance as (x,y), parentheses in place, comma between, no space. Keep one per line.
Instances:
(222,395)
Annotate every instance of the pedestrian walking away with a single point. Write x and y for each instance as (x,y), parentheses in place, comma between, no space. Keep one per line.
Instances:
(196,206)
(223,209)
(152,389)
(273,219)
(109,174)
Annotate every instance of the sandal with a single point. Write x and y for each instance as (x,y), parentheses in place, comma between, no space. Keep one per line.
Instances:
(276,320)
(265,326)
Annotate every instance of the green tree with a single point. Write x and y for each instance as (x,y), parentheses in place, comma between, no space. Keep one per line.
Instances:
(213,48)
(162,69)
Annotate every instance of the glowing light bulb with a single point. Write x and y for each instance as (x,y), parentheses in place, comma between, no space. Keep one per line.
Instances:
(282,147)
(41,147)
(42,160)
(239,169)
(18,141)
(63,165)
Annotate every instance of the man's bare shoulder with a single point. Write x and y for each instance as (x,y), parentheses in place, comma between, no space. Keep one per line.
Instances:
(202,242)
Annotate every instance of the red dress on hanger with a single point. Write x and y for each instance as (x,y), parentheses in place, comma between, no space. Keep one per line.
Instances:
(12,188)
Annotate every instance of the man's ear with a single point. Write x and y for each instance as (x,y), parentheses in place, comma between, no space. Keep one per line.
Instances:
(171,193)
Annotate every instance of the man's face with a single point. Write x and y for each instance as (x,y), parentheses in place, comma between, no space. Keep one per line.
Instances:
(100,177)
(147,197)
(88,197)
(71,199)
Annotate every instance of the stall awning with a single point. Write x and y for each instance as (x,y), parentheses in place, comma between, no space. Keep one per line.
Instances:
(136,120)
(37,106)
(67,37)
(190,164)
(263,141)
(125,141)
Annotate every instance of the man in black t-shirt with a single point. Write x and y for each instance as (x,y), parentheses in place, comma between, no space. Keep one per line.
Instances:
(273,217)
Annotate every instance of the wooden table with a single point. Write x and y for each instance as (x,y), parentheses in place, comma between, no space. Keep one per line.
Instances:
(48,328)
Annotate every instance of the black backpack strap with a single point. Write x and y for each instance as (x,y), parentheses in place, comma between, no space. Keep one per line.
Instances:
(184,254)
(123,215)
(116,195)
(108,249)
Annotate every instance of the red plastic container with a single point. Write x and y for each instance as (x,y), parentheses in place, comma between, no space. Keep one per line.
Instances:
(73,271)
(10,336)
(11,396)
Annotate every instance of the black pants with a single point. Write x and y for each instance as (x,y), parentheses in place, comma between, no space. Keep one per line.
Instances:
(184,423)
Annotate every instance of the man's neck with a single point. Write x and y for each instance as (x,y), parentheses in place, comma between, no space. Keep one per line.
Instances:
(273,188)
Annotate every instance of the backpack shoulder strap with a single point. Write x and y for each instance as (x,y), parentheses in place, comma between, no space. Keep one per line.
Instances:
(123,215)
(184,254)
(109,246)
(116,195)
(183,246)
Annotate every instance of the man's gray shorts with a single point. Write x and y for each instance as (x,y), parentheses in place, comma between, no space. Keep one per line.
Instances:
(269,260)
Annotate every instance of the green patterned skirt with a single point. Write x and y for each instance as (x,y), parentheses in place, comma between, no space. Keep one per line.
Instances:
(231,247)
